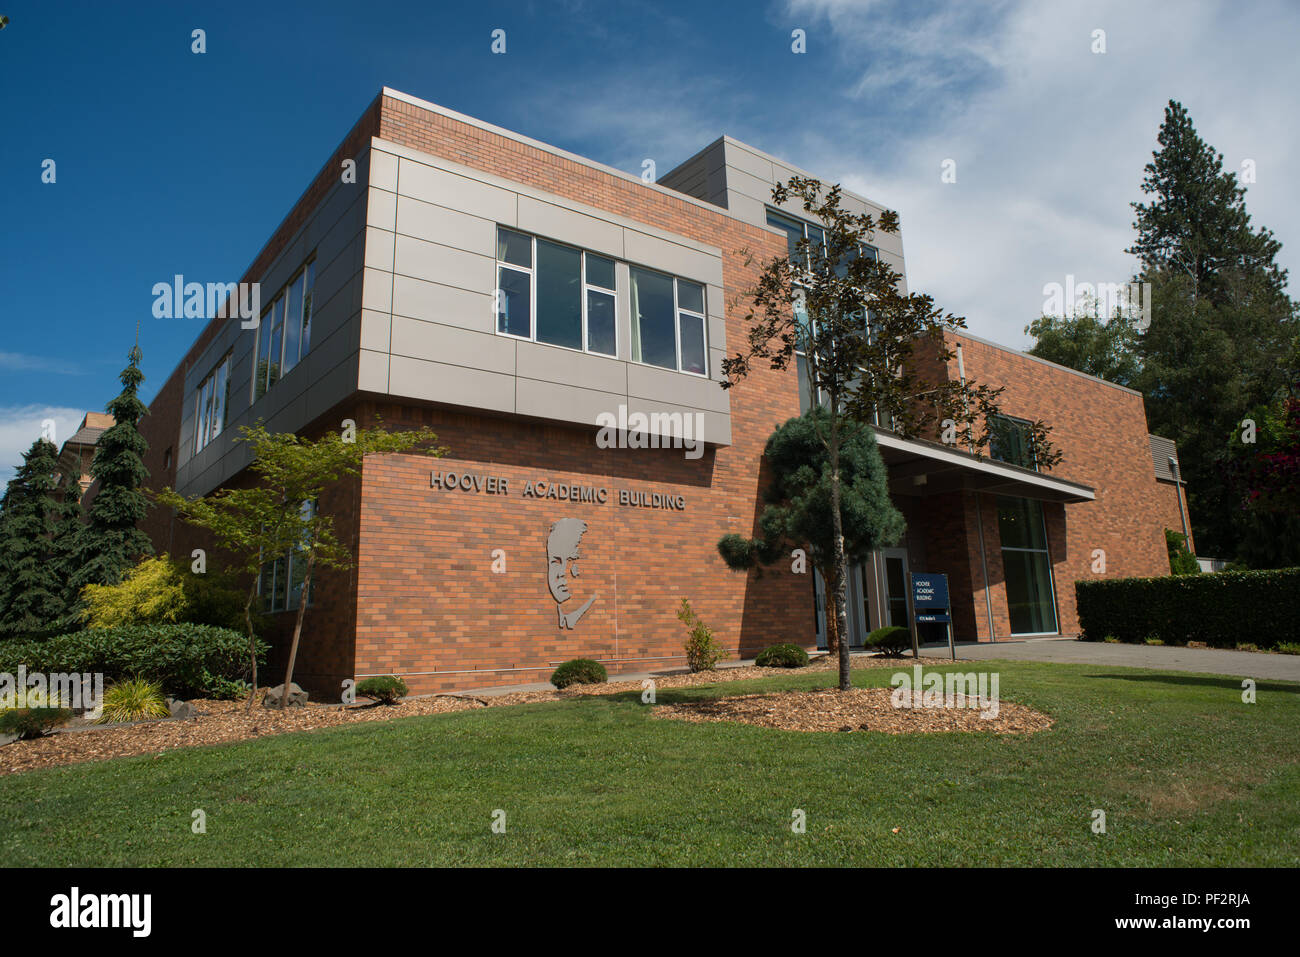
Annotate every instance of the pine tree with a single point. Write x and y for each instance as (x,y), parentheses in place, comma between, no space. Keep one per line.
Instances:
(1221,319)
(110,542)
(32,588)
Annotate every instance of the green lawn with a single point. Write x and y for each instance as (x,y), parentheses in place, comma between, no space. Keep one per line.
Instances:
(1186,773)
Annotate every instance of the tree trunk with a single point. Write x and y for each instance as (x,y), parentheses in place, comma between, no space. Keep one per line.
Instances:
(832,626)
(840,559)
(252,643)
(297,631)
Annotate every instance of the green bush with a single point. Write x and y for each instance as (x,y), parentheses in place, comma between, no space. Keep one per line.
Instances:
(702,650)
(1288,648)
(782,656)
(892,640)
(162,591)
(186,660)
(579,671)
(32,722)
(388,689)
(133,699)
(1215,609)
(1181,561)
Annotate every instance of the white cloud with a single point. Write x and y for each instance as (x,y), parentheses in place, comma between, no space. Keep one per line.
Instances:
(21,425)
(21,362)
(1051,143)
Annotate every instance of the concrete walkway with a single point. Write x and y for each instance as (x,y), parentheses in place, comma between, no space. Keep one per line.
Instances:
(1249,664)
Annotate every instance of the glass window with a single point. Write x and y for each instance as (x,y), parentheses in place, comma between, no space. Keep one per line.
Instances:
(277,341)
(211,400)
(293,324)
(601,319)
(263,350)
(653,335)
(1027,569)
(1009,441)
(690,296)
(693,351)
(514,302)
(600,271)
(309,283)
(559,295)
(792,228)
(514,248)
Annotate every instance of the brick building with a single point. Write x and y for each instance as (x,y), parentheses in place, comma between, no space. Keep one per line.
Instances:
(514,297)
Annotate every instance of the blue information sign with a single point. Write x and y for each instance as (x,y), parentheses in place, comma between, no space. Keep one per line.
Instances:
(930,597)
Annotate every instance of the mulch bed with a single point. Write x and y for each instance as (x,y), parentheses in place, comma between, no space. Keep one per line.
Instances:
(858,709)
(222,722)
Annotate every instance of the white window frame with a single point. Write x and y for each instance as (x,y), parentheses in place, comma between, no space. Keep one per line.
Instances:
(587,285)
(702,316)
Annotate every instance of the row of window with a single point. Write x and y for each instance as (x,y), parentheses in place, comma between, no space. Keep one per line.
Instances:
(213,401)
(279,583)
(284,336)
(797,230)
(564,296)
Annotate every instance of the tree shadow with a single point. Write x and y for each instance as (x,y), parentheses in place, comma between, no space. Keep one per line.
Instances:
(1233,684)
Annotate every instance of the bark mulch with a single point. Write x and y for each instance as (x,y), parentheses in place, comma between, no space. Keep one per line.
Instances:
(222,722)
(859,709)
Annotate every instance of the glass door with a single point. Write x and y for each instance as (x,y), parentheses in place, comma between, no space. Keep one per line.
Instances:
(893,567)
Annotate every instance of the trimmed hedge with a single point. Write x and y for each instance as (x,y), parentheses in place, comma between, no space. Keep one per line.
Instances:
(187,660)
(579,671)
(781,656)
(1222,609)
(891,640)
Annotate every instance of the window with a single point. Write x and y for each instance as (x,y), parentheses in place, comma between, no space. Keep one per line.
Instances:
(1027,568)
(556,294)
(1011,441)
(280,580)
(668,322)
(213,397)
(284,336)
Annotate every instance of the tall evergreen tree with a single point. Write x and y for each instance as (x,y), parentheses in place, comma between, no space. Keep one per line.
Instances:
(1221,319)
(33,589)
(110,542)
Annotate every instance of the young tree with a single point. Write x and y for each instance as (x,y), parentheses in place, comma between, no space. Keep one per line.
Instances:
(33,546)
(1084,340)
(798,514)
(859,336)
(1221,320)
(110,543)
(278,513)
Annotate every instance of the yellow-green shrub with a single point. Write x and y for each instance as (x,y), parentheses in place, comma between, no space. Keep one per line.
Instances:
(133,699)
(161,591)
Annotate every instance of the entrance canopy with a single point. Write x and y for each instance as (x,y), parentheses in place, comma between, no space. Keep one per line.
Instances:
(927,468)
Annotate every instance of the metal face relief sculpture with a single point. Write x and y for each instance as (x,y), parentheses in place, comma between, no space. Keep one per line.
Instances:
(562,561)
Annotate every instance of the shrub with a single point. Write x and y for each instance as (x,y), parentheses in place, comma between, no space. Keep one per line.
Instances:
(184,659)
(29,723)
(782,656)
(225,689)
(164,591)
(388,689)
(579,671)
(1288,648)
(1181,561)
(702,650)
(133,699)
(1215,609)
(892,640)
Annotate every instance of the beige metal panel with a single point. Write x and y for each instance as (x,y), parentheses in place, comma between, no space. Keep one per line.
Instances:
(748,161)
(376,330)
(443,264)
(449,305)
(443,188)
(715,426)
(377,290)
(552,221)
(654,253)
(383,170)
(555,364)
(379,249)
(381,209)
(449,344)
(566,403)
(447,227)
(664,385)
(373,371)
(455,385)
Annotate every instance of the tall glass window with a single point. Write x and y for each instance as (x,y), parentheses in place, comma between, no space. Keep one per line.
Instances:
(284,336)
(212,398)
(1031,602)
(654,339)
(1010,442)
(602,318)
(559,295)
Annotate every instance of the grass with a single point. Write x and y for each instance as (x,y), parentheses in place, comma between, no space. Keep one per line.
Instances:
(1186,773)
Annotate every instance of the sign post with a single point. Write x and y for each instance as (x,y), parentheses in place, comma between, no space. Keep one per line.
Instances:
(930,604)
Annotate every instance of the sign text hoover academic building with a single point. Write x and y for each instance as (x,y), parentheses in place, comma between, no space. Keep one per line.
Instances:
(561,325)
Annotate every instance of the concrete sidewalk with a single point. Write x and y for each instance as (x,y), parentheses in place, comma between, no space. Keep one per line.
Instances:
(1248,664)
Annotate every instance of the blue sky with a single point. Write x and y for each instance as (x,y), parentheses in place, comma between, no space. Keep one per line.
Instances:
(173,162)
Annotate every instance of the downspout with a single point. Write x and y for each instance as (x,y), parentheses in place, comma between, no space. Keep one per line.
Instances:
(984,565)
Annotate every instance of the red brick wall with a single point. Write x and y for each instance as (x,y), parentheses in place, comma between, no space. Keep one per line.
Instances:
(1102,431)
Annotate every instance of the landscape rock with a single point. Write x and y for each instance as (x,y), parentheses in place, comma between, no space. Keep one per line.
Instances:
(297,697)
(180,709)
